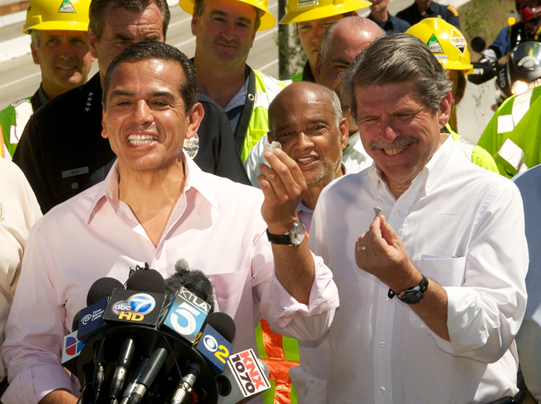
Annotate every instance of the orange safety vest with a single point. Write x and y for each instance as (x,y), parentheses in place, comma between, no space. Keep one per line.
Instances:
(279,353)
(2,145)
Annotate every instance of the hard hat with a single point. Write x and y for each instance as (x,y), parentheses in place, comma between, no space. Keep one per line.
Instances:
(267,19)
(446,43)
(62,15)
(308,10)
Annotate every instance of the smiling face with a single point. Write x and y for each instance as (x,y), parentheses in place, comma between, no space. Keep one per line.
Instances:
(145,119)
(225,33)
(121,29)
(302,119)
(64,60)
(397,130)
(311,33)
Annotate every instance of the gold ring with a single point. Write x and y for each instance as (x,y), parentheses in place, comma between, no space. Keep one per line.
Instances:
(361,248)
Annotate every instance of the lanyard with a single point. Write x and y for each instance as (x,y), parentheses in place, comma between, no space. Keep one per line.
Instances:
(244,121)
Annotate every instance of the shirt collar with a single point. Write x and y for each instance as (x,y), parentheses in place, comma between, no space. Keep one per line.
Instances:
(240,98)
(430,174)
(196,181)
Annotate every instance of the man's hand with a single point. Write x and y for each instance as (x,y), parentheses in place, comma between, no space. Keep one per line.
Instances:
(283,186)
(381,253)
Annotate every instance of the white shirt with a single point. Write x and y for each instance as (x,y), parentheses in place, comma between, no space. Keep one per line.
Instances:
(19,210)
(529,336)
(463,227)
(354,157)
(216,225)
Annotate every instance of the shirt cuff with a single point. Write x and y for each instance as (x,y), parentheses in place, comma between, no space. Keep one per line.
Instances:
(32,385)
(282,308)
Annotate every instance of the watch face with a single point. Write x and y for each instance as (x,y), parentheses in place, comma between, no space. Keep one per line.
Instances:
(297,234)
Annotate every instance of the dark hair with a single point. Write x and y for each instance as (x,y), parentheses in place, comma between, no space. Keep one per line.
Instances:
(199,6)
(98,9)
(157,51)
(398,58)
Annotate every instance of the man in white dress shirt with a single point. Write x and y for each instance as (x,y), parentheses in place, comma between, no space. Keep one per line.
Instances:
(156,206)
(432,290)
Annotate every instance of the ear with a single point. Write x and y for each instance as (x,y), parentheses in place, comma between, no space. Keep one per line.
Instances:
(354,13)
(344,133)
(34,52)
(195,116)
(104,133)
(195,21)
(445,109)
(92,40)
(317,67)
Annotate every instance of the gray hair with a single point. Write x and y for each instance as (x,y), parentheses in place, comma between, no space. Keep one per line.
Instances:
(398,58)
(199,6)
(35,35)
(336,107)
(98,9)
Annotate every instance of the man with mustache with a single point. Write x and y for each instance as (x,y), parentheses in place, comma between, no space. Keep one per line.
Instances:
(428,250)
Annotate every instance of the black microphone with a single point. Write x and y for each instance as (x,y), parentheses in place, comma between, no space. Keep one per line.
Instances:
(134,380)
(183,392)
(153,366)
(147,281)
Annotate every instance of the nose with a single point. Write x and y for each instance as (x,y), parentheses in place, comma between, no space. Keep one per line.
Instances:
(318,33)
(303,141)
(228,31)
(389,131)
(66,51)
(142,114)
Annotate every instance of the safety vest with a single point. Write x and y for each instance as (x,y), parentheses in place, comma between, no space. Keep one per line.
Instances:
(296,77)
(266,88)
(279,353)
(13,120)
(477,155)
(509,151)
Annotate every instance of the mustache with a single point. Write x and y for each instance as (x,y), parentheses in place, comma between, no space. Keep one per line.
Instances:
(395,144)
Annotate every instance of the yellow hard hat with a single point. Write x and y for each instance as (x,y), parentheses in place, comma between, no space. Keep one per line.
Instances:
(308,10)
(446,43)
(267,19)
(62,15)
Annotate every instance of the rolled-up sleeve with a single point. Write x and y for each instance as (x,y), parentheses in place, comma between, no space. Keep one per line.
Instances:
(285,314)
(35,330)
(485,313)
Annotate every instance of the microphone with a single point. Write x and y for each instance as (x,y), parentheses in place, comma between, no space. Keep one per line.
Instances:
(183,392)
(186,313)
(245,376)
(135,378)
(140,305)
(214,343)
(153,366)
(87,322)
(91,317)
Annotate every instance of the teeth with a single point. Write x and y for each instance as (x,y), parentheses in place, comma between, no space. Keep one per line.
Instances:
(67,68)
(305,160)
(139,140)
(394,151)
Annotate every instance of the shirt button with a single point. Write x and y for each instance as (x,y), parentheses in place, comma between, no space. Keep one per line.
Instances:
(386,299)
(74,185)
(381,344)
(398,213)
(382,389)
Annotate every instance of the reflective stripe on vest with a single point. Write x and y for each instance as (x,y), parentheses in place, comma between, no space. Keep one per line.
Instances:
(279,353)
(521,104)
(3,149)
(266,88)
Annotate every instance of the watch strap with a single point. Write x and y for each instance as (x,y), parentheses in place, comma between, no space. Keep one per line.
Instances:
(279,238)
(412,295)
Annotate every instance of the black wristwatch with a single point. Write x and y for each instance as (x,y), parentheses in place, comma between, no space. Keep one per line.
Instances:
(412,295)
(294,237)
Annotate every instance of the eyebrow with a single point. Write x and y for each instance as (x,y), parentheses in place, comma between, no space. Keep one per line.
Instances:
(224,14)
(310,122)
(122,93)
